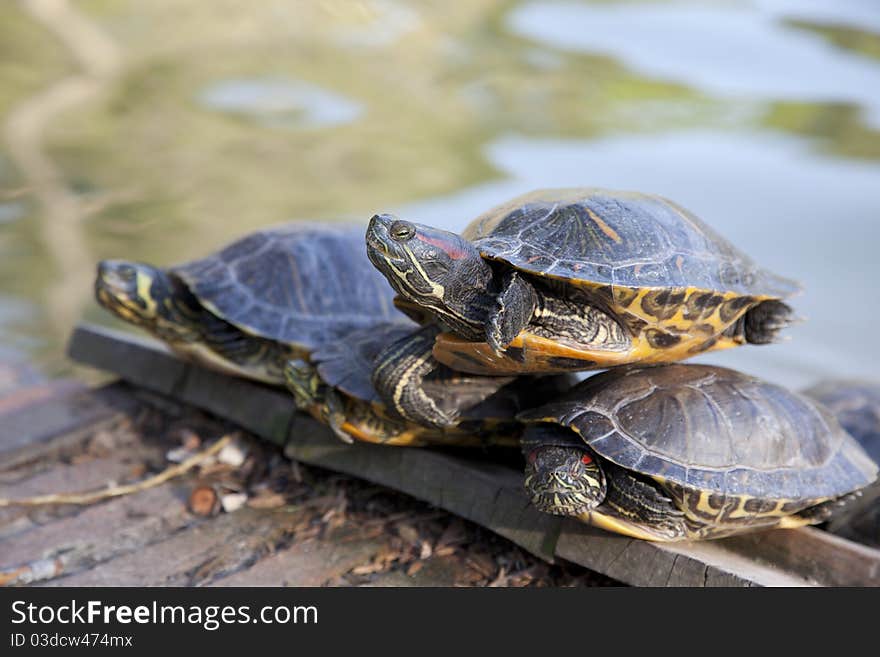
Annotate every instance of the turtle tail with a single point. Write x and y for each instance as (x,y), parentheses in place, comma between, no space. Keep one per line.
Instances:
(761,324)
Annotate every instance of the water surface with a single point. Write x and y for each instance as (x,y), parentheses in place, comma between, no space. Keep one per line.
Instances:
(762,117)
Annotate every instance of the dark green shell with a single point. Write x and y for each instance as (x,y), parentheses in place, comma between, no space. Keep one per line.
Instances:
(298,283)
(856,405)
(605,237)
(716,430)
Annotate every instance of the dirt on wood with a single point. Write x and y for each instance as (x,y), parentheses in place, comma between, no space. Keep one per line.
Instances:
(245,516)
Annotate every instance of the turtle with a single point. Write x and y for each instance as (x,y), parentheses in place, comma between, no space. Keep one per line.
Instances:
(685,452)
(274,294)
(856,405)
(576,279)
(335,387)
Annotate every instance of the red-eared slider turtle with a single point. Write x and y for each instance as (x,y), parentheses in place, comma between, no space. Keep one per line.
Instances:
(335,387)
(577,279)
(856,404)
(689,452)
(272,295)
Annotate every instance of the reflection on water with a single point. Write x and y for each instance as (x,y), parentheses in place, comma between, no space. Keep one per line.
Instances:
(840,13)
(281,102)
(762,117)
(383,23)
(729,51)
(10,212)
(14,314)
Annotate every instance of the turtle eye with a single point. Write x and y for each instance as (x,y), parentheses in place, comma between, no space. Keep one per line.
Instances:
(127,272)
(402,231)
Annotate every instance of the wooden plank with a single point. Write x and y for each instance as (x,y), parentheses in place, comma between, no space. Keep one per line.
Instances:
(262,410)
(310,563)
(133,358)
(179,559)
(36,429)
(487,493)
(97,534)
(643,563)
(817,555)
(484,493)
(271,414)
(259,409)
(40,392)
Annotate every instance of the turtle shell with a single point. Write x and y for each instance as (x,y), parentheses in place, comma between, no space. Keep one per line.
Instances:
(714,431)
(619,239)
(348,364)
(299,283)
(651,266)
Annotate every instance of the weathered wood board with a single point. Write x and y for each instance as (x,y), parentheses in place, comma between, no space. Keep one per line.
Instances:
(315,530)
(24,434)
(485,493)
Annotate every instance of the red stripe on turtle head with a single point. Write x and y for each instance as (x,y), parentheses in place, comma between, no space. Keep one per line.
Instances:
(451,248)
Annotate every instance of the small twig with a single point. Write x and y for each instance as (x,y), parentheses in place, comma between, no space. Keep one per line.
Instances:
(117,491)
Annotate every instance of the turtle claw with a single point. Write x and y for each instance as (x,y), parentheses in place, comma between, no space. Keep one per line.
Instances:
(514,307)
(344,437)
(494,339)
(336,417)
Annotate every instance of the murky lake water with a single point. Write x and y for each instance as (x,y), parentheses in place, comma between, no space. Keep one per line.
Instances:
(762,117)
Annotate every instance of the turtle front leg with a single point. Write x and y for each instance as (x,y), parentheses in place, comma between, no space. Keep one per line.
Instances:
(642,505)
(513,310)
(399,376)
(336,415)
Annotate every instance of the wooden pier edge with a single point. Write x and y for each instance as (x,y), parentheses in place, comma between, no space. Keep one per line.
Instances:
(487,494)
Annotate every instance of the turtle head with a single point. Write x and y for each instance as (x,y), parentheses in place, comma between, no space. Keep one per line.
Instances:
(145,296)
(303,381)
(563,476)
(438,270)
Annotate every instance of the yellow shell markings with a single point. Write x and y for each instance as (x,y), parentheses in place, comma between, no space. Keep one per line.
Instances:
(707,521)
(540,354)
(704,510)
(691,333)
(696,528)
(626,300)
(604,227)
